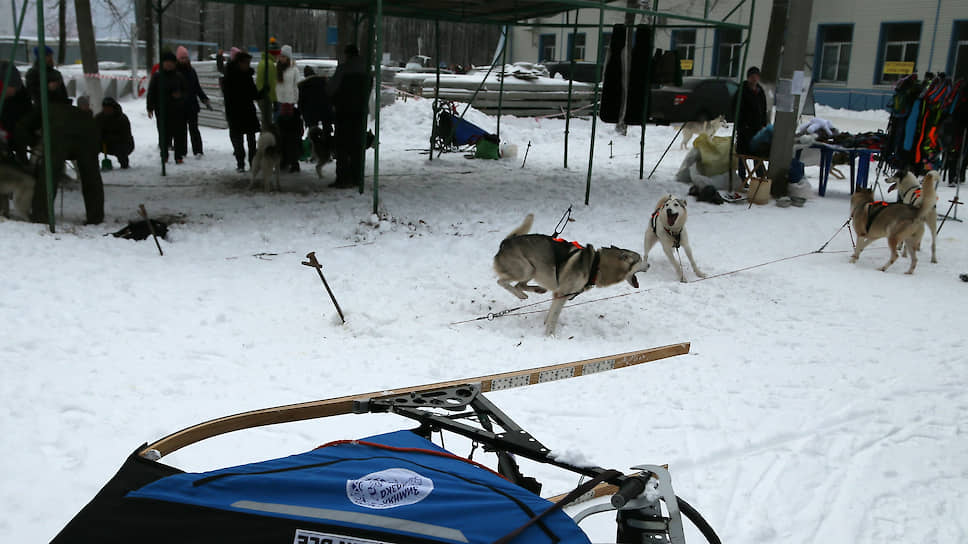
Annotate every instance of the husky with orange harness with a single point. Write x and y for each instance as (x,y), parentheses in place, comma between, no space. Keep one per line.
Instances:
(909,192)
(567,269)
(897,222)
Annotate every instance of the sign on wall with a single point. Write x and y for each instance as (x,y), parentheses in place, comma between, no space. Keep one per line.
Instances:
(898,67)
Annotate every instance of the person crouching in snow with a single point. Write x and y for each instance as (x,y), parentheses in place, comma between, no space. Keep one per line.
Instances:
(116,138)
(287,93)
(240,94)
(166,95)
(192,98)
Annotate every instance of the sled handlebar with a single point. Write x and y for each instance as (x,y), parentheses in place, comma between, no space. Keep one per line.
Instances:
(631,488)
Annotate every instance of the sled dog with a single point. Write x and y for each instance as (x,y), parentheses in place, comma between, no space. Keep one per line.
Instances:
(18,182)
(268,158)
(323,151)
(668,227)
(564,268)
(909,192)
(895,221)
(695,128)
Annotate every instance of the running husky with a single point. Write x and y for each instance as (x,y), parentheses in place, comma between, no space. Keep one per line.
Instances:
(565,268)
(668,226)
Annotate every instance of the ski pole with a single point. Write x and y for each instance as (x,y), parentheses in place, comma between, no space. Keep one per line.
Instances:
(526,154)
(319,269)
(666,151)
(151,227)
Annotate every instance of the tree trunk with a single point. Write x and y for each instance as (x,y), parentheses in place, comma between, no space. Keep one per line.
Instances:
(238,25)
(61,31)
(86,38)
(148,31)
(202,10)
(770,66)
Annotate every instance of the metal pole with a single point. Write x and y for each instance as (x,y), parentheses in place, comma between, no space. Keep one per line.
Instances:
(739,90)
(266,84)
(648,92)
(571,80)
(162,99)
(433,128)
(45,115)
(500,97)
(369,80)
(376,117)
(598,79)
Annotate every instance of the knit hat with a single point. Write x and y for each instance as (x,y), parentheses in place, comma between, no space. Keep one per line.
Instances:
(752,70)
(168,55)
(286,51)
(83,101)
(273,47)
(47,51)
(109,101)
(233,52)
(308,71)
(181,53)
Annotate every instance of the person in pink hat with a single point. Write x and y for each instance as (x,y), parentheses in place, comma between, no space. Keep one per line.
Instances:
(192,98)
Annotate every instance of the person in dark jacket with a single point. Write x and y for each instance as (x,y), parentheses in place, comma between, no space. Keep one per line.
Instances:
(73,137)
(314,103)
(56,90)
(167,92)
(116,138)
(16,105)
(195,95)
(240,93)
(349,90)
(752,115)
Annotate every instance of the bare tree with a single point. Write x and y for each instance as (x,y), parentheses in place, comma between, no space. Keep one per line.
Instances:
(148,31)
(202,11)
(86,38)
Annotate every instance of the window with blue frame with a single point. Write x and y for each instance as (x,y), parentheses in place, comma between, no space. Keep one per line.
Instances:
(729,50)
(684,43)
(576,44)
(958,58)
(833,51)
(546,48)
(898,52)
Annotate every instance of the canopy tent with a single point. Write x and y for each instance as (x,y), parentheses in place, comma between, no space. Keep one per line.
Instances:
(497,12)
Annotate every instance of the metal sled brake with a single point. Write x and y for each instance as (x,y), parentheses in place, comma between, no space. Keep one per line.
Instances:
(394,488)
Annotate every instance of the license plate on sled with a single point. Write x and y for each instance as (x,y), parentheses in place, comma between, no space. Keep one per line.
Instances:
(311,537)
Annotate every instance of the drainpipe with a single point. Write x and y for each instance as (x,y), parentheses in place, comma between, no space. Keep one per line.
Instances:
(934,34)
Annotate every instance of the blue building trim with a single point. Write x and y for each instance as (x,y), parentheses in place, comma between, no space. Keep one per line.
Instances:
(819,43)
(852,99)
(715,66)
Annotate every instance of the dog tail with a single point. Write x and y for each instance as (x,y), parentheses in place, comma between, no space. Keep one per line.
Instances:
(523,228)
(929,194)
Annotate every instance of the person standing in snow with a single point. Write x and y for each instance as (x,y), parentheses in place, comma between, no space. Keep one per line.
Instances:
(115,128)
(349,89)
(752,114)
(56,90)
(16,106)
(287,93)
(167,91)
(240,94)
(192,98)
(265,81)
(314,106)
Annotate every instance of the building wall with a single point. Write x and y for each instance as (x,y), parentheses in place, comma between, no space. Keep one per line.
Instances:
(862,88)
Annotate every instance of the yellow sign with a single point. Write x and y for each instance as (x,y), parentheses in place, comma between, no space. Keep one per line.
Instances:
(898,67)
(685,64)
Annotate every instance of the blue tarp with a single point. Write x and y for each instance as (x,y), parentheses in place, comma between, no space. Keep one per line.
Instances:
(371,489)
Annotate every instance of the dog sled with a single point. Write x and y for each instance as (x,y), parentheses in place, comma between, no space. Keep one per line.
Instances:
(452,132)
(393,488)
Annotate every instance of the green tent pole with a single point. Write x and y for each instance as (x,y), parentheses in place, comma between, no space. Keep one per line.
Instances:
(739,93)
(500,97)
(598,79)
(13,51)
(571,81)
(266,84)
(162,99)
(376,115)
(433,128)
(369,78)
(45,115)
(648,91)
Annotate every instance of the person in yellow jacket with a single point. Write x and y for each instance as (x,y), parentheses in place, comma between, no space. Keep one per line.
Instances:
(265,81)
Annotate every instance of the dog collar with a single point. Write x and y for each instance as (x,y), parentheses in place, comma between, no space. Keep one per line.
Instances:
(593,273)
(676,236)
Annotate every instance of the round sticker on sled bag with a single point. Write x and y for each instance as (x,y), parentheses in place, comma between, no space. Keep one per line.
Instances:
(389,488)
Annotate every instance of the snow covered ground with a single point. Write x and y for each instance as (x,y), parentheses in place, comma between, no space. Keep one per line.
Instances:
(821,401)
